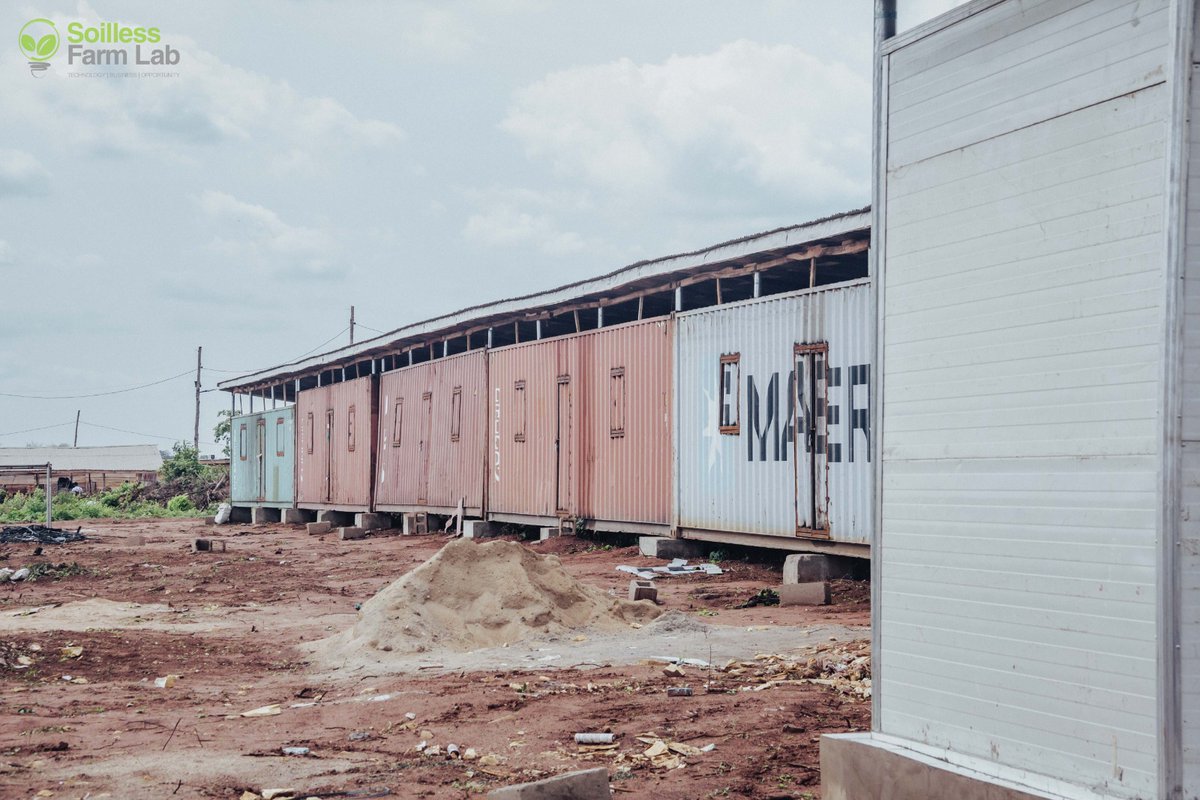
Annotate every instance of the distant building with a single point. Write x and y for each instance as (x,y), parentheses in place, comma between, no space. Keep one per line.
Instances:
(92,468)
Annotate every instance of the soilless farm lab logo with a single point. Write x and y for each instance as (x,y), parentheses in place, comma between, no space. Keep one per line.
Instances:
(108,44)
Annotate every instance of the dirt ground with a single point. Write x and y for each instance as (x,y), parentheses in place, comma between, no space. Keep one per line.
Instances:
(82,717)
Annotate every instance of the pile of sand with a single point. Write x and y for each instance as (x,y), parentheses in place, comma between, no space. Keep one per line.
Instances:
(470,596)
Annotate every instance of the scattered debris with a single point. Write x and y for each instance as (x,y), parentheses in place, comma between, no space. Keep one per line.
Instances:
(56,572)
(679,691)
(765,597)
(296,751)
(263,711)
(594,738)
(678,566)
(19,575)
(166,682)
(14,534)
(208,546)
(358,736)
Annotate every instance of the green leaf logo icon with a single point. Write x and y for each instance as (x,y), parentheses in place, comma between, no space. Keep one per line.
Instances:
(38,39)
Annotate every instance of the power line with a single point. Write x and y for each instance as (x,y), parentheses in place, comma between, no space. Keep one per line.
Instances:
(43,428)
(368,327)
(297,358)
(94,394)
(139,433)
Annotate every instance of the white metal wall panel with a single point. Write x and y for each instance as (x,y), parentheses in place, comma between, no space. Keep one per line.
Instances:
(724,482)
(1189,553)
(1017,64)
(1022,323)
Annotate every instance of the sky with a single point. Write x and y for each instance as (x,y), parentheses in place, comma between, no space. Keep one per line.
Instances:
(407,158)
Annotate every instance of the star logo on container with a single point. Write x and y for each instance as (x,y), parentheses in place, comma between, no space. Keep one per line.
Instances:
(38,40)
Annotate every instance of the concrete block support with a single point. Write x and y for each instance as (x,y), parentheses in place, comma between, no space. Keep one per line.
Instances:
(373,522)
(335,518)
(317,528)
(865,766)
(348,534)
(413,524)
(806,568)
(239,514)
(260,515)
(662,547)
(587,784)
(479,529)
(642,590)
(804,594)
(548,533)
(296,516)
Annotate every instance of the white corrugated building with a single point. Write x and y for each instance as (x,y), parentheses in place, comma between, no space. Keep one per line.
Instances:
(93,468)
(1037,565)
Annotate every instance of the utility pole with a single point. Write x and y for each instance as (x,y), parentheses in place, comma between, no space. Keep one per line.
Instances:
(351,324)
(77,413)
(196,433)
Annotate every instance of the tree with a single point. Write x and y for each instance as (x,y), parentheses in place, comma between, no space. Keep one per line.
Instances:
(223,430)
(184,462)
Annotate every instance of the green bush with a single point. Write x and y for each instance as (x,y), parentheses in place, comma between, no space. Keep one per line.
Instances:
(180,504)
(122,502)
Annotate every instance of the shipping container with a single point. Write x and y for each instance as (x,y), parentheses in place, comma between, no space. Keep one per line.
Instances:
(262,465)
(335,445)
(432,446)
(772,419)
(580,429)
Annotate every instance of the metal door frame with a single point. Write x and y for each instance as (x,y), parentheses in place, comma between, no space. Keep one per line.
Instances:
(260,469)
(329,465)
(426,444)
(800,428)
(560,507)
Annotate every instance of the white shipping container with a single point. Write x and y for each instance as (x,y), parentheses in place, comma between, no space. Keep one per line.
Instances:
(756,456)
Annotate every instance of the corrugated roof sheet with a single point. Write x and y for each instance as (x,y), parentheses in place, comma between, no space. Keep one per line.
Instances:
(132,457)
(834,225)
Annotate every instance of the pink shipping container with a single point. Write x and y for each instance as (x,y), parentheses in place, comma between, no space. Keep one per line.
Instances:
(432,449)
(335,445)
(580,428)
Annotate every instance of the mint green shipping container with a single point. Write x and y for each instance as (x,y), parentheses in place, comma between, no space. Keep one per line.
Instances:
(262,464)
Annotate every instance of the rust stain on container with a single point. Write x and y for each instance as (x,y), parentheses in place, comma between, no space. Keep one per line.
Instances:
(432,447)
(335,445)
(580,426)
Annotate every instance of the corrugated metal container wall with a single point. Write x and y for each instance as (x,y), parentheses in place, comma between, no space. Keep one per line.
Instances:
(738,417)
(336,444)
(624,474)
(524,469)
(433,437)
(263,462)
(604,398)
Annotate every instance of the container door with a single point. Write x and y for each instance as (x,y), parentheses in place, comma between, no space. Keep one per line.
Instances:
(260,455)
(328,466)
(426,446)
(810,439)
(562,446)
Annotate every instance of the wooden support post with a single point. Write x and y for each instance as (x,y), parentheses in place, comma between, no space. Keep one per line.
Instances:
(410,358)
(812,272)
(577,326)
(489,339)
(718,291)
(758,284)
(517,332)
(641,304)
(599,316)
(538,323)
(679,298)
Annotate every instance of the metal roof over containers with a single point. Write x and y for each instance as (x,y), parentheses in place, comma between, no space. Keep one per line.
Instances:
(433,436)
(755,456)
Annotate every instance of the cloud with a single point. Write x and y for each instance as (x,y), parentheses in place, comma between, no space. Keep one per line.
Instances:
(22,174)
(526,218)
(260,237)
(6,253)
(210,102)
(747,115)
(441,34)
